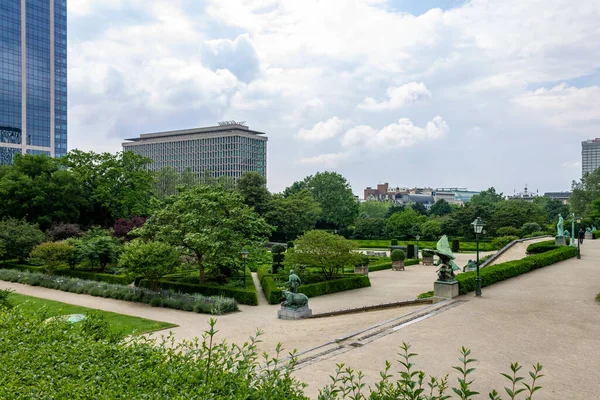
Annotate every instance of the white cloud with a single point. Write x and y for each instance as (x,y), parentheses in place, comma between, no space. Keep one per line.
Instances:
(323,130)
(563,105)
(398,97)
(329,160)
(401,134)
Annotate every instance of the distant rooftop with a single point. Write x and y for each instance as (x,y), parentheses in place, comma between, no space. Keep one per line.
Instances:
(224,127)
(558,194)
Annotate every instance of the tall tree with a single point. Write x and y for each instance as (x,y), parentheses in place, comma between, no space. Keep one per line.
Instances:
(487,197)
(294,214)
(253,188)
(374,209)
(419,208)
(333,193)
(211,222)
(404,224)
(440,208)
(584,192)
(369,228)
(296,187)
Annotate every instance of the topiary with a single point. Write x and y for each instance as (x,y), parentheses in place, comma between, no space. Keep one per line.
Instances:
(277,252)
(455,245)
(394,242)
(290,245)
(398,255)
(362,260)
(426,253)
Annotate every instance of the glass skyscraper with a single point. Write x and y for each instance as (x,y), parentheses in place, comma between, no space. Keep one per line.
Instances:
(228,150)
(33,78)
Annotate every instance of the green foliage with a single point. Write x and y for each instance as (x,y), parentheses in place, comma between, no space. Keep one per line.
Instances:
(324,250)
(440,208)
(502,241)
(584,193)
(98,248)
(62,231)
(334,195)
(53,254)
(541,247)
(432,229)
(534,234)
(403,224)
(362,260)
(271,290)
(516,213)
(210,222)
(530,227)
(369,228)
(394,242)
(196,303)
(278,255)
(510,269)
(242,296)
(152,260)
(508,231)
(398,255)
(410,251)
(426,295)
(294,214)
(5,301)
(374,209)
(487,197)
(596,234)
(419,208)
(19,238)
(290,245)
(425,253)
(455,245)
(336,285)
(253,188)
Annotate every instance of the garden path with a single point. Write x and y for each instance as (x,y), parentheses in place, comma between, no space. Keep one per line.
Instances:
(517,251)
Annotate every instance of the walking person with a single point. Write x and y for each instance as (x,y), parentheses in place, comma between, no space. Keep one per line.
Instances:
(581,235)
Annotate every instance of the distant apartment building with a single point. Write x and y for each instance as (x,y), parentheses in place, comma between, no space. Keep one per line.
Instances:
(426,196)
(228,150)
(33,78)
(590,156)
(561,196)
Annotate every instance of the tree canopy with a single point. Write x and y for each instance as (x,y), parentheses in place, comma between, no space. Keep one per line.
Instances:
(334,195)
(253,188)
(294,214)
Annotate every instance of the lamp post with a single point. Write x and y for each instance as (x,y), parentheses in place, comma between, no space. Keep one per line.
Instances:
(478,225)
(573,234)
(578,242)
(418,237)
(244,254)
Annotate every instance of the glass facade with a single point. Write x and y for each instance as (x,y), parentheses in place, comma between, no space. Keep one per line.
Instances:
(230,154)
(590,156)
(33,77)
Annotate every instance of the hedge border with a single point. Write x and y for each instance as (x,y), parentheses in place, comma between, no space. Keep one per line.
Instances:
(542,247)
(510,269)
(121,279)
(388,265)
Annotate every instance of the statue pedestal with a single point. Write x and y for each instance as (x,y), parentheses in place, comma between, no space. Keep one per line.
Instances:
(445,290)
(560,241)
(294,313)
(589,235)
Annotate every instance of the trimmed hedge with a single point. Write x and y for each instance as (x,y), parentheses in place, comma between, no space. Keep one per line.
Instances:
(269,287)
(121,279)
(243,296)
(541,247)
(388,265)
(596,234)
(510,269)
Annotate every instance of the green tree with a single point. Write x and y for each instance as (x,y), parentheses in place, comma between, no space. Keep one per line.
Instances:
(19,237)
(374,209)
(394,208)
(296,187)
(98,248)
(440,208)
(584,193)
(253,188)
(53,254)
(369,228)
(333,193)
(324,250)
(550,208)
(419,208)
(34,188)
(278,255)
(152,260)
(487,197)
(403,224)
(294,214)
(516,213)
(165,182)
(431,229)
(530,227)
(210,222)
(117,185)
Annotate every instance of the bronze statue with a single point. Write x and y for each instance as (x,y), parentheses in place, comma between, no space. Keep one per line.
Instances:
(560,226)
(294,282)
(446,257)
(294,300)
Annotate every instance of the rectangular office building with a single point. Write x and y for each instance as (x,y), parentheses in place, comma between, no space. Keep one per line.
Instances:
(33,78)
(590,156)
(228,150)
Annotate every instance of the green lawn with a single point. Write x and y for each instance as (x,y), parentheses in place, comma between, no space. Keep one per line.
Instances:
(123,325)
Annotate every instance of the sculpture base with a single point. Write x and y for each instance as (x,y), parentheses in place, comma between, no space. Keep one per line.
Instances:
(560,241)
(589,235)
(445,290)
(294,313)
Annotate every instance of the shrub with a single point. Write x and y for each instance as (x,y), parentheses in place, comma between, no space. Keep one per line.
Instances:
(455,245)
(425,295)
(394,242)
(269,287)
(535,234)
(278,255)
(98,249)
(410,250)
(290,245)
(19,238)
(596,234)
(335,285)
(541,247)
(499,242)
(530,227)
(123,227)
(362,260)
(426,253)
(510,269)
(508,231)
(152,260)
(398,255)
(5,298)
(61,231)
(53,254)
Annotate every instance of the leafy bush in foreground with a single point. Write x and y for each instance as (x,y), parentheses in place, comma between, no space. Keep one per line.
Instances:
(57,360)
(162,298)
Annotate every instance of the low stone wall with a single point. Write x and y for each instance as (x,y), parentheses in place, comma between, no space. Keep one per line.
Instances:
(507,247)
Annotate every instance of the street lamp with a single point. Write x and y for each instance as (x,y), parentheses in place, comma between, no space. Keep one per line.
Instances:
(578,242)
(244,254)
(573,234)
(478,225)
(418,237)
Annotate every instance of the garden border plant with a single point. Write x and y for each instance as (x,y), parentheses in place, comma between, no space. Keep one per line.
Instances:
(542,247)
(167,299)
(118,279)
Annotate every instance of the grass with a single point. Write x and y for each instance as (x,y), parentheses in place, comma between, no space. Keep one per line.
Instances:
(598,297)
(123,325)
(384,244)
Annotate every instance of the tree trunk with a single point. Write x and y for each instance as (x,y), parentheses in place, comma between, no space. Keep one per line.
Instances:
(200,267)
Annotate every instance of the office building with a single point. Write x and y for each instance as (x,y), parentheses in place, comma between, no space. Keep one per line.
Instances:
(426,195)
(228,150)
(33,78)
(590,156)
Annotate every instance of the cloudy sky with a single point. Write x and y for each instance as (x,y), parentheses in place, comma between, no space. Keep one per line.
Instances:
(442,93)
